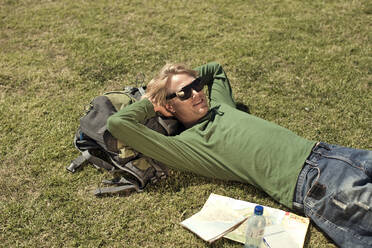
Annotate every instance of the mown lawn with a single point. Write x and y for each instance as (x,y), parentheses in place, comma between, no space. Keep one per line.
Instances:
(305,65)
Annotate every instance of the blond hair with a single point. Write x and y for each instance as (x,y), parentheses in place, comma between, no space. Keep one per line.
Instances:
(157,88)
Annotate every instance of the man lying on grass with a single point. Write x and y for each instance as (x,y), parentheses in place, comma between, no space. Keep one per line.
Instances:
(328,183)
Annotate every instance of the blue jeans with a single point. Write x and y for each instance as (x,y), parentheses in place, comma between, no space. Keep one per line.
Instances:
(334,189)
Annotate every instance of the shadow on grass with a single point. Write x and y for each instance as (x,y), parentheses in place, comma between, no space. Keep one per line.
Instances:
(309,235)
(243,107)
(307,238)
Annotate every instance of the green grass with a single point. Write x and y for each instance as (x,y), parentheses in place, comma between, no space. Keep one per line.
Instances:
(305,65)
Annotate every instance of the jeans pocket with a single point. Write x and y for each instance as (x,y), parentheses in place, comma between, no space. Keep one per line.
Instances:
(352,211)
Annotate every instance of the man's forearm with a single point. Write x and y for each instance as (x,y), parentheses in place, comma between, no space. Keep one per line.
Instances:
(124,124)
(127,125)
(219,88)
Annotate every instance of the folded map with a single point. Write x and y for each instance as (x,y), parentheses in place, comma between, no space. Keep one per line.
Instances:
(223,216)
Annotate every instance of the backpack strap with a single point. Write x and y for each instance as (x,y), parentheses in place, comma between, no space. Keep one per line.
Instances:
(125,186)
(113,190)
(85,157)
(96,161)
(76,164)
(142,90)
(163,124)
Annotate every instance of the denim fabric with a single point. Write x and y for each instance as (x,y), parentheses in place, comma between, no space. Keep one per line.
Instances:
(334,189)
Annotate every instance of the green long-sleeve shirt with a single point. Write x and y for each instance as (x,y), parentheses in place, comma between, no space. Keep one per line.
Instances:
(227,143)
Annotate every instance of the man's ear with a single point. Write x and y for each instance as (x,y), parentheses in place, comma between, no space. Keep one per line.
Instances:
(170,108)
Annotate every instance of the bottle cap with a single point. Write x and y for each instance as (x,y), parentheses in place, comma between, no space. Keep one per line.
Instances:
(258,210)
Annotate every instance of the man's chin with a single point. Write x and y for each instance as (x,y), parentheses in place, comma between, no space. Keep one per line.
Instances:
(203,110)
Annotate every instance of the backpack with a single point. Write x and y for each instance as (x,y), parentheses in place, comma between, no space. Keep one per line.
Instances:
(131,170)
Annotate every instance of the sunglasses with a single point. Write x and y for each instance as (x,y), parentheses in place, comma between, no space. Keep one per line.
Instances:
(186,92)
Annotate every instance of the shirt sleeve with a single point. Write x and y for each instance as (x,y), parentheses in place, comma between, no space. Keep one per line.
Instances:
(219,88)
(127,125)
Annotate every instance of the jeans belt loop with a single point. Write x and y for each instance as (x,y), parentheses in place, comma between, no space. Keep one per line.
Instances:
(322,145)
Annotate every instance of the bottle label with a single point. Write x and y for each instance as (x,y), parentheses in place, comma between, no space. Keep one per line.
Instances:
(257,233)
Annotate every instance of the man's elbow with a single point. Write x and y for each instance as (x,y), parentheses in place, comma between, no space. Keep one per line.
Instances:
(113,124)
(215,64)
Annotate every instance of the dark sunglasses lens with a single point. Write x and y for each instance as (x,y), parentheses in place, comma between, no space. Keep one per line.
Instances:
(186,92)
(198,85)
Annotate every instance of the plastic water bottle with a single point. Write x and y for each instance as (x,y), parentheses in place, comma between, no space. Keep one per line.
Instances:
(255,229)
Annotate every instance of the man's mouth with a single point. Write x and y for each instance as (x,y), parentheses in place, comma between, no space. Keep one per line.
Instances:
(198,102)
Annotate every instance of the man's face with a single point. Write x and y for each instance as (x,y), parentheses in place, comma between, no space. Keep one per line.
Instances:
(190,110)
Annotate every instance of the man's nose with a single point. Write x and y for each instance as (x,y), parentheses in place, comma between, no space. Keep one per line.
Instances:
(194,93)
